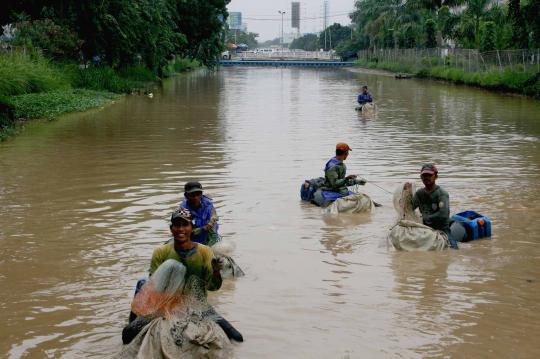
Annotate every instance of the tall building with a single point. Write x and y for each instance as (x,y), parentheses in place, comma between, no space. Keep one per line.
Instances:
(295,15)
(235,20)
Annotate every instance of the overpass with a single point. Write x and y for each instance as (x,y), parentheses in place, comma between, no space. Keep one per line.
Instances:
(285,57)
(286,63)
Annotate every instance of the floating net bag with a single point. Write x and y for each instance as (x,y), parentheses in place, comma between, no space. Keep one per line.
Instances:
(353,203)
(179,321)
(409,233)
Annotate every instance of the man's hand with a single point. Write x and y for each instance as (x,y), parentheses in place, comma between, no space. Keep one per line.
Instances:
(207,227)
(217,264)
(361,181)
(407,186)
(350,177)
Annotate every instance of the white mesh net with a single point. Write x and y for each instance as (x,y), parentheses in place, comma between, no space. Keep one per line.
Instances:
(409,234)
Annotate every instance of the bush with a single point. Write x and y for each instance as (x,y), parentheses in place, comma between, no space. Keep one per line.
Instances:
(179,65)
(99,78)
(55,41)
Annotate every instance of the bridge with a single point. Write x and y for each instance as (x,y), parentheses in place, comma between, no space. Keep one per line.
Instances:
(286,63)
(285,57)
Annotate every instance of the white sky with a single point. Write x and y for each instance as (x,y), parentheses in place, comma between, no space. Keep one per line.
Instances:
(268,9)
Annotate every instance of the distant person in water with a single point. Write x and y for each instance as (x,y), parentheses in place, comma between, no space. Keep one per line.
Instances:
(203,212)
(364,97)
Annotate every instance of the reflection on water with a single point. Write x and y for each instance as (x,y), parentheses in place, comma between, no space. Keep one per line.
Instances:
(85,200)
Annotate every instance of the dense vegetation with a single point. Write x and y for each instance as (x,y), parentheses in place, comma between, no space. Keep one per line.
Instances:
(121,32)
(473,24)
(69,55)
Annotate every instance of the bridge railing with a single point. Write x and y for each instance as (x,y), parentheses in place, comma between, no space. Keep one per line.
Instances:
(288,55)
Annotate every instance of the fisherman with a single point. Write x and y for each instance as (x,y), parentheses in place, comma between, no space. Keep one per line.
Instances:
(203,212)
(433,202)
(364,97)
(197,259)
(335,170)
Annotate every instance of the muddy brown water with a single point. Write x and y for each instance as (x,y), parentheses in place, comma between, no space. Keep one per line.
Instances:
(85,199)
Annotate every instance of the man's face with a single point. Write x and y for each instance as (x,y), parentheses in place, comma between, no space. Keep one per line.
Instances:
(428,179)
(181,230)
(194,199)
(364,89)
(345,155)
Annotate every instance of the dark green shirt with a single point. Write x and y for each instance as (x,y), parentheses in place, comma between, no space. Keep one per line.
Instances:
(435,208)
(335,178)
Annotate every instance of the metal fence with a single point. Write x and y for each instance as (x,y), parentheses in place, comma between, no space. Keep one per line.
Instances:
(469,60)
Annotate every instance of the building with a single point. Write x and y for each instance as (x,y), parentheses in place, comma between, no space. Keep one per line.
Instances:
(295,15)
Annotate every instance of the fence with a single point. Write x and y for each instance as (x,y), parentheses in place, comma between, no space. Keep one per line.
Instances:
(469,60)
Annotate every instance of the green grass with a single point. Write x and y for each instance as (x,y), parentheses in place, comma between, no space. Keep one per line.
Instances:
(54,103)
(527,83)
(179,65)
(32,87)
(22,73)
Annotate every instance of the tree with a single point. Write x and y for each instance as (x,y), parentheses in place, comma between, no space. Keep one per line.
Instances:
(519,34)
(431,33)
(242,37)
(487,39)
(334,35)
(532,17)
(121,31)
(269,43)
(308,42)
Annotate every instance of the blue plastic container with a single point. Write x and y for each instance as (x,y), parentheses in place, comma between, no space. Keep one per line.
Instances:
(477,225)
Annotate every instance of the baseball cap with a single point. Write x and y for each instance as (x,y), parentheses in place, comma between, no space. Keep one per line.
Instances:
(181,213)
(429,168)
(343,146)
(192,187)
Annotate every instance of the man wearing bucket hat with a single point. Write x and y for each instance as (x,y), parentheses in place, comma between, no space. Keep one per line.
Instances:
(203,212)
(335,172)
(433,202)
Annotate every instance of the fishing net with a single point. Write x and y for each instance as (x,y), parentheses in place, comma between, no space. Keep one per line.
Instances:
(354,203)
(409,233)
(179,322)
(230,269)
(163,293)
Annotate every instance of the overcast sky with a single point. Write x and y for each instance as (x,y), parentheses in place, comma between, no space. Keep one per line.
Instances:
(254,11)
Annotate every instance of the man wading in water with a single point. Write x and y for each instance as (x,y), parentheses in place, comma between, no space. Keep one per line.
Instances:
(198,260)
(335,171)
(203,212)
(433,202)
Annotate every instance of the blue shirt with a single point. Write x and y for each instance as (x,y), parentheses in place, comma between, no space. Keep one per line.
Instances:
(364,98)
(201,217)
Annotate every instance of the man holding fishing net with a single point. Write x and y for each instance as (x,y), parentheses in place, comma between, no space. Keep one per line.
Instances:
(335,172)
(432,201)
(181,272)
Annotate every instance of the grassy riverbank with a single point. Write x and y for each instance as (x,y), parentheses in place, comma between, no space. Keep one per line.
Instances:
(527,83)
(32,87)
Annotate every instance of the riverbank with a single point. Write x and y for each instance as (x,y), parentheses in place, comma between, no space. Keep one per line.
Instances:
(31,87)
(526,83)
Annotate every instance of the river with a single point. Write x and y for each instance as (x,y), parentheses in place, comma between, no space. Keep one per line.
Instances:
(85,199)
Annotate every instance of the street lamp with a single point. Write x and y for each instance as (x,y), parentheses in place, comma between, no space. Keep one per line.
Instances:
(282,13)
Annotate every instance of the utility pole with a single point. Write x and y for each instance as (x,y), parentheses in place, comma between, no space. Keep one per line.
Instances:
(282,13)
